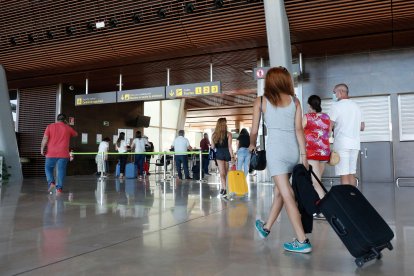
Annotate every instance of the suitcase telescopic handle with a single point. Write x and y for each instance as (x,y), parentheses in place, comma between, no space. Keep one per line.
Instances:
(317,179)
(338,226)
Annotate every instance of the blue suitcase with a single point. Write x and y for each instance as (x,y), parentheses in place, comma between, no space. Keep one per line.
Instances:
(131,171)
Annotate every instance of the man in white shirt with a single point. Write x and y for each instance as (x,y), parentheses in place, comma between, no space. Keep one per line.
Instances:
(181,144)
(346,122)
(138,145)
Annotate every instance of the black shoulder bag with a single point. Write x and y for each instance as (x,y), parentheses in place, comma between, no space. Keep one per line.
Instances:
(258,157)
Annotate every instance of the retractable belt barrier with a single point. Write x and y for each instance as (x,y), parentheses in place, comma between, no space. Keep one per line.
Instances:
(164,153)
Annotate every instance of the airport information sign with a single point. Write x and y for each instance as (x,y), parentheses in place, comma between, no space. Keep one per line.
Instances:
(193,90)
(95,98)
(146,94)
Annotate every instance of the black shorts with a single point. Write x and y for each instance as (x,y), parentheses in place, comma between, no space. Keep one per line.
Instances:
(223,154)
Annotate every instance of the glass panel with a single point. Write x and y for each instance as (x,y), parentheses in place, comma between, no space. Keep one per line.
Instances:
(153,136)
(152,109)
(13,103)
(168,136)
(170,111)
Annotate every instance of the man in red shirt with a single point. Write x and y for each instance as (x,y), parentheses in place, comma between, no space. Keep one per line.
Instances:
(57,137)
(205,146)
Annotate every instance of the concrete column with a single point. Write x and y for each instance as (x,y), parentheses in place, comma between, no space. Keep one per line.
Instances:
(278,35)
(280,53)
(8,142)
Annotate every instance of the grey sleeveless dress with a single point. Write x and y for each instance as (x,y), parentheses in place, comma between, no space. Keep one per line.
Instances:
(282,148)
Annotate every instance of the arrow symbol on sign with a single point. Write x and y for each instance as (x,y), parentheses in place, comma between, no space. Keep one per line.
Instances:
(171,93)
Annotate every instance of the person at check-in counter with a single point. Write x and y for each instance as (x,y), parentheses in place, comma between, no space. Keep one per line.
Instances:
(121,147)
(180,145)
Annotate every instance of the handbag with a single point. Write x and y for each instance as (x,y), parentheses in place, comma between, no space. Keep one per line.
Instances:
(334,158)
(258,157)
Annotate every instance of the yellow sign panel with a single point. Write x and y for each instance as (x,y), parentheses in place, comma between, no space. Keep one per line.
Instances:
(79,101)
(126,97)
(214,89)
(206,89)
(179,92)
(198,90)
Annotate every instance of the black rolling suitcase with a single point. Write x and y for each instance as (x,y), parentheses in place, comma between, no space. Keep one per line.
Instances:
(363,231)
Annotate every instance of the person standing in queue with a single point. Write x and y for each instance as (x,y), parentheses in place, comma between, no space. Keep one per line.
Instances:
(221,139)
(180,145)
(121,147)
(56,138)
(138,144)
(102,157)
(285,148)
(205,147)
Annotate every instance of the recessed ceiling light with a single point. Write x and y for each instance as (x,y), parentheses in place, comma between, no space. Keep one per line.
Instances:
(13,41)
(30,38)
(218,3)
(100,25)
(113,22)
(162,13)
(90,26)
(49,34)
(70,30)
(189,8)
(136,18)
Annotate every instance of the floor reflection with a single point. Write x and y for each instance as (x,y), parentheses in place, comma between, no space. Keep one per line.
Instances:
(111,226)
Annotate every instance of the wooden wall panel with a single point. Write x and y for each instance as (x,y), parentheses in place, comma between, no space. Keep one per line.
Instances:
(37,109)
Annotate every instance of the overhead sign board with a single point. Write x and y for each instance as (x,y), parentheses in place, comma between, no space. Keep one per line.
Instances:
(95,98)
(146,94)
(260,72)
(193,90)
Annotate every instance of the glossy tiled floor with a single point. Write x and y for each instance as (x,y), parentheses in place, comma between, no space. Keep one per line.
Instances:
(176,228)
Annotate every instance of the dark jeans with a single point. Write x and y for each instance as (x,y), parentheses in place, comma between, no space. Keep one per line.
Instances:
(139,163)
(184,160)
(206,162)
(122,163)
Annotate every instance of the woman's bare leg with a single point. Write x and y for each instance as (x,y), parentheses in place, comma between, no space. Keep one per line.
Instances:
(223,167)
(277,205)
(318,168)
(286,192)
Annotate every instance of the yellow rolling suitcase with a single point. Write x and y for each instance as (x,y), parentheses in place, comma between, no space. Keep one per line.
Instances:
(237,184)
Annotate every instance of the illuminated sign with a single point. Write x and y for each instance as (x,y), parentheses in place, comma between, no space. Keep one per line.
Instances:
(193,90)
(95,98)
(146,94)
(260,72)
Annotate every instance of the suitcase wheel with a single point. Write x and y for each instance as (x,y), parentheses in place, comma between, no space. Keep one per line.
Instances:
(379,257)
(389,246)
(359,262)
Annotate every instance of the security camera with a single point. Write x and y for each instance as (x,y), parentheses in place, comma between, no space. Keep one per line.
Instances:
(71,88)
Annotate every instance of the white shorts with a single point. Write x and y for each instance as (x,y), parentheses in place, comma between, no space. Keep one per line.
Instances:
(348,162)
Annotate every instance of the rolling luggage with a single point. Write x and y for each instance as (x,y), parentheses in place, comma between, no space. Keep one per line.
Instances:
(131,171)
(363,231)
(237,184)
(196,171)
(305,195)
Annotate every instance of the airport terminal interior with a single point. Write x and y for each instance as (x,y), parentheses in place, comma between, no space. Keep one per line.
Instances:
(168,65)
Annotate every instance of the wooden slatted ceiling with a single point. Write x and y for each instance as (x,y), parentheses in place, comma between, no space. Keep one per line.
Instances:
(322,26)
(178,32)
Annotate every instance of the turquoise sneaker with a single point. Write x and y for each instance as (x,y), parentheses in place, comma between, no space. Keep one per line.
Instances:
(263,233)
(298,247)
